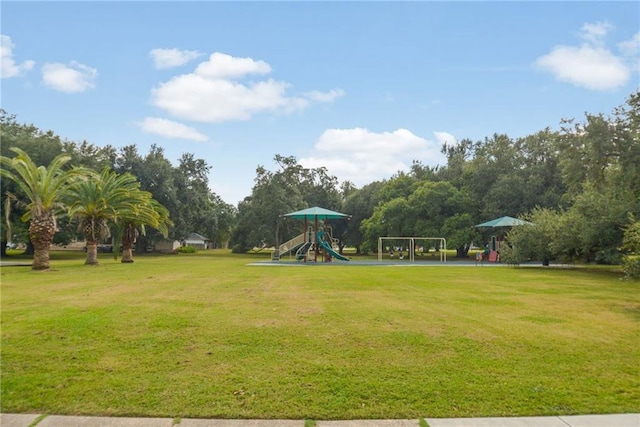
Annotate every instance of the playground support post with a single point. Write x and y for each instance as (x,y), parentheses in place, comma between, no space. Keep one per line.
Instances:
(412,246)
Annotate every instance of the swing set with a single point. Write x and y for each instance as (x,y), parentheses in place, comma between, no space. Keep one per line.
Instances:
(412,246)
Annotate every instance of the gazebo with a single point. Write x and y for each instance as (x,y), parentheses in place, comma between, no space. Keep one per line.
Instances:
(499,223)
(316,241)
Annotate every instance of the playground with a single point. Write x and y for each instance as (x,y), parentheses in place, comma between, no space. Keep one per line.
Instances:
(316,244)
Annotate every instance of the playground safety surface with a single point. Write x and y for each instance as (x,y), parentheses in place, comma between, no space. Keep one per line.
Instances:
(389,263)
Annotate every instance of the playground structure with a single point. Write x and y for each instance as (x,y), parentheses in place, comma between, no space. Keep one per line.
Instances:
(315,242)
(412,246)
(309,246)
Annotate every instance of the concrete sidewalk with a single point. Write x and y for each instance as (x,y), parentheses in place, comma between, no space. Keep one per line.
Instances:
(614,420)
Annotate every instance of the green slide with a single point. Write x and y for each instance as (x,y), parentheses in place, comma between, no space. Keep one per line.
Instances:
(327,247)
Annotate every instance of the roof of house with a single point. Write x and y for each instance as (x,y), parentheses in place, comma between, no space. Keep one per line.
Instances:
(196,236)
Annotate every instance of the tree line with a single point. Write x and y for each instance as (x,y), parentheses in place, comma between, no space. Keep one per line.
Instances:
(584,179)
(179,194)
(580,185)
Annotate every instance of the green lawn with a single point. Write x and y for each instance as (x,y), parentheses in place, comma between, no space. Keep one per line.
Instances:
(206,335)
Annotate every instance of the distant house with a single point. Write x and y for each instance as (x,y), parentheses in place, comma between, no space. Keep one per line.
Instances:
(198,241)
(166,246)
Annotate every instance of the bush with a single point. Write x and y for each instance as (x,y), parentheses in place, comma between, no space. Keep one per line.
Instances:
(187,249)
(631,245)
(510,255)
(608,256)
(631,266)
(238,249)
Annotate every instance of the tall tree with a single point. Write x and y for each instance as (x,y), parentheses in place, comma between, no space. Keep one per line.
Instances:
(539,170)
(96,199)
(259,221)
(631,249)
(458,155)
(130,223)
(392,218)
(603,153)
(439,209)
(433,209)
(599,161)
(44,188)
(42,147)
(275,193)
(223,219)
(183,191)
(91,156)
(156,175)
(360,205)
(207,214)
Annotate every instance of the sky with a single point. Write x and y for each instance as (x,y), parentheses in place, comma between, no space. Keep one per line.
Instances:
(361,88)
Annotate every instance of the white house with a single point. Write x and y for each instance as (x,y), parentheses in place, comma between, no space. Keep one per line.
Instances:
(166,246)
(197,241)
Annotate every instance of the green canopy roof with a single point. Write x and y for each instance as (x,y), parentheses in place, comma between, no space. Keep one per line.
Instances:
(316,212)
(504,221)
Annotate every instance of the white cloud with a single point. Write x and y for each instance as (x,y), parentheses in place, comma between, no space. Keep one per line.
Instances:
(362,156)
(591,65)
(214,92)
(223,66)
(71,78)
(630,47)
(197,98)
(318,96)
(445,137)
(594,33)
(170,129)
(169,58)
(9,68)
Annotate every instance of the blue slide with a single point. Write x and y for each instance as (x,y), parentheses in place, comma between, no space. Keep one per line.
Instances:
(327,247)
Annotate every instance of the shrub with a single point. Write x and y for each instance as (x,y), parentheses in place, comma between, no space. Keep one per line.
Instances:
(608,256)
(631,266)
(510,255)
(187,249)
(631,245)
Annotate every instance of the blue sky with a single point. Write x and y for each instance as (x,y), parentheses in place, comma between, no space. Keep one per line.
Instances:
(362,88)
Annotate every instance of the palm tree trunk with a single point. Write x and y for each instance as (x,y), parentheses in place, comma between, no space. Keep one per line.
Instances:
(127,254)
(92,253)
(93,229)
(41,231)
(40,257)
(129,235)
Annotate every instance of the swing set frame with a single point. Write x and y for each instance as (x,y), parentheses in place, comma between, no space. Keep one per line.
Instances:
(412,246)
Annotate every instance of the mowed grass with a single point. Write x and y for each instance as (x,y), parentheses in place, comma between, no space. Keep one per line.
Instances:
(206,335)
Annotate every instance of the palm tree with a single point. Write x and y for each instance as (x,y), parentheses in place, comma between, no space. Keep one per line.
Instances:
(150,213)
(97,199)
(44,188)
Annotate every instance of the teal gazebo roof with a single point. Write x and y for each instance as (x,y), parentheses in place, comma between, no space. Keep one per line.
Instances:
(316,213)
(504,221)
